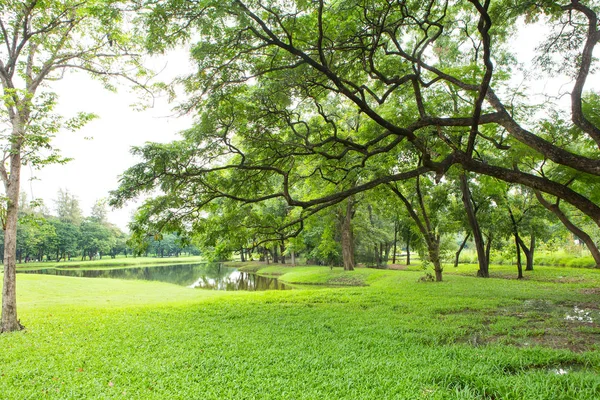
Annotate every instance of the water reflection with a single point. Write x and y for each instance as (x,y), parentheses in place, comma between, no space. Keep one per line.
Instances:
(239,281)
(213,276)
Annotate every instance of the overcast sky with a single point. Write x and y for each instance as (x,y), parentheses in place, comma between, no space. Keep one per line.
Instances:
(101,150)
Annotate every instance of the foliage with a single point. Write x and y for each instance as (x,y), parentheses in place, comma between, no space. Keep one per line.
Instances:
(312,103)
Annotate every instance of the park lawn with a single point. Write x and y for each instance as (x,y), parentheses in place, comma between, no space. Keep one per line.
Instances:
(108,262)
(386,336)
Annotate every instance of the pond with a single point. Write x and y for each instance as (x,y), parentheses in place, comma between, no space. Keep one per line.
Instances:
(213,276)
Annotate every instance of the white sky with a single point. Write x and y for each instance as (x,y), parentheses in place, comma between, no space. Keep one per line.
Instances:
(98,162)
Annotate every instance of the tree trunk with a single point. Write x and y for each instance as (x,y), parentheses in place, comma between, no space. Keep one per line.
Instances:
(275,255)
(519,265)
(460,249)
(433,248)
(348,237)
(10,323)
(528,252)
(376,258)
(488,247)
(438,272)
(293,255)
(242,258)
(282,250)
(395,242)
(517,240)
(475,229)
(386,252)
(589,242)
(408,249)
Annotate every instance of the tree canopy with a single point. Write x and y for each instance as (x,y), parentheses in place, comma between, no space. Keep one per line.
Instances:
(316,102)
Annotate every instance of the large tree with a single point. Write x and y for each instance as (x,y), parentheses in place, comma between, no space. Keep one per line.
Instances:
(364,93)
(41,41)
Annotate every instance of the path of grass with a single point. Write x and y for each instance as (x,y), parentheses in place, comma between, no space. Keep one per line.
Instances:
(108,262)
(396,338)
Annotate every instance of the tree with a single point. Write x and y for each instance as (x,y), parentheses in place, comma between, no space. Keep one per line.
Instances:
(427,207)
(360,94)
(40,42)
(100,211)
(526,219)
(67,242)
(95,239)
(374,225)
(471,211)
(119,243)
(67,207)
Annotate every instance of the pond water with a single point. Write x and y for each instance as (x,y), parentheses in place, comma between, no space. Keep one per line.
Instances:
(214,276)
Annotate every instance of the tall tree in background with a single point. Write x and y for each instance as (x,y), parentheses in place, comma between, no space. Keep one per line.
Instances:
(40,41)
(100,211)
(67,207)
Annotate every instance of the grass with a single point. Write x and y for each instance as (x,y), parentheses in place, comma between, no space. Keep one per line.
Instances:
(383,335)
(577,257)
(108,262)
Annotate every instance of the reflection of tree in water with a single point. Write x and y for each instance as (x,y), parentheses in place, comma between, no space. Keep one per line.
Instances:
(218,277)
(180,274)
(246,281)
(207,276)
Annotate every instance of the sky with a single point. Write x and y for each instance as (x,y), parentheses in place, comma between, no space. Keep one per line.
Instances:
(101,149)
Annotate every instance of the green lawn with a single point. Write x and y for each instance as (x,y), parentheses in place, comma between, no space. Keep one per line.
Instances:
(111,262)
(387,336)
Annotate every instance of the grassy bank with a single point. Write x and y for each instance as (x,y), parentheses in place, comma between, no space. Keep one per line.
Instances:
(387,336)
(578,258)
(112,262)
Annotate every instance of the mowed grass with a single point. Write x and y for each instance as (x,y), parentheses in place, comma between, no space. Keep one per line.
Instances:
(108,262)
(387,336)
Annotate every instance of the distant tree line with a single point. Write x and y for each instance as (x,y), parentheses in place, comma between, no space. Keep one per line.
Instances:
(67,234)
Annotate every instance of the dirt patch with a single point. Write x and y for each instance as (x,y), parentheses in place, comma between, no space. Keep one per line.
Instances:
(575,327)
(564,279)
(566,337)
(590,291)
(573,337)
(508,275)
(398,267)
